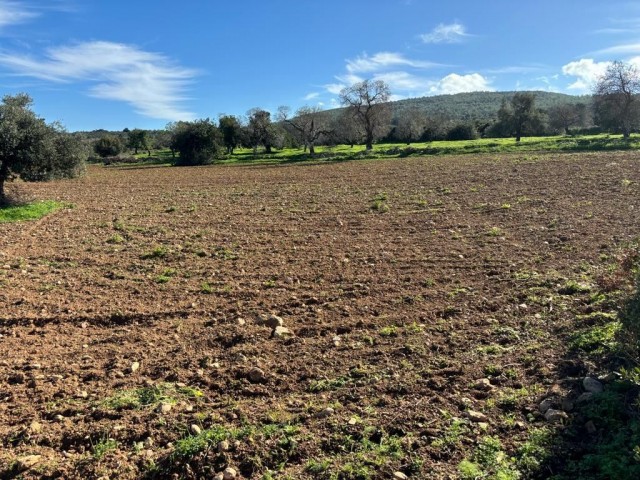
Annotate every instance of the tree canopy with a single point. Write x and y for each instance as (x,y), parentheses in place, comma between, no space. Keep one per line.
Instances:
(616,101)
(368,101)
(32,149)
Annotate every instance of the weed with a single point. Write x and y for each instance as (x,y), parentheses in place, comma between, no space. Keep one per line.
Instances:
(116,238)
(157,252)
(206,288)
(494,232)
(104,446)
(150,396)
(379,203)
(389,331)
(598,339)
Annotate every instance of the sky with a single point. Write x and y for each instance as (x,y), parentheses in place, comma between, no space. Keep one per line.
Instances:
(141,64)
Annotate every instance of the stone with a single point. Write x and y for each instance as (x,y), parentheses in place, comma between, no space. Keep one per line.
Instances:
(590,427)
(545,405)
(273,321)
(567,405)
(135,366)
(585,397)
(352,421)
(35,427)
(229,474)
(148,442)
(324,413)
(555,416)
(223,446)
(282,332)
(58,418)
(27,462)
(218,476)
(484,384)
(477,416)
(257,375)
(399,476)
(240,321)
(592,385)
(165,408)
(195,429)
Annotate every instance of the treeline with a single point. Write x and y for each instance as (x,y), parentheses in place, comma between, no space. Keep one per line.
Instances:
(369,117)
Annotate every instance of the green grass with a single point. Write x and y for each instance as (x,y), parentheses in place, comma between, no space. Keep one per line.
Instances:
(558,143)
(150,396)
(32,211)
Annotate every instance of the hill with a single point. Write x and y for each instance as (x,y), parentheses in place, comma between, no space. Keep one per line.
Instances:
(476,105)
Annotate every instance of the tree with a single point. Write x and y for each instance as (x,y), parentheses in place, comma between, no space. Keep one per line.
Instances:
(308,124)
(108,146)
(616,101)
(519,115)
(260,130)
(196,141)
(346,129)
(410,126)
(139,139)
(566,115)
(231,130)
(462,131)
(367,102)
(32,149)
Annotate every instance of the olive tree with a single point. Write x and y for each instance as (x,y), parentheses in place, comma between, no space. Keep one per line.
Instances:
(108,146)
(32,149)
(520,115)
(260,130)
(309,125)
(367,102)
(198,142)
(139,139)
(615,100)
(566,115)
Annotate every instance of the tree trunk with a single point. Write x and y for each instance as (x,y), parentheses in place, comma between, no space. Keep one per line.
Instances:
(312,150)
(369,141)
(3,198)
(267,149)
(626,132)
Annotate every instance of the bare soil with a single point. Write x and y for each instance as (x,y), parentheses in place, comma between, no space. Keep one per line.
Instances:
(403,283)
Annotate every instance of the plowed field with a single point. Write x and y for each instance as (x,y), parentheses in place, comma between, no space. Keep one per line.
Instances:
(132,335)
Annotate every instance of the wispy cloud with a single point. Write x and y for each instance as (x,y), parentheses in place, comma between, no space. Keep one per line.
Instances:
(587,72)
(148,81)
(443,33)
(382,60)
(515,69)
(625,49)
(12,13)
(311,96)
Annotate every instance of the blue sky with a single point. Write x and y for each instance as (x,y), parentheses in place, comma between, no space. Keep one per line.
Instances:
(141,64)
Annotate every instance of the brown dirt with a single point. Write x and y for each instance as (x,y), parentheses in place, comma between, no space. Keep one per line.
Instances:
(397,311)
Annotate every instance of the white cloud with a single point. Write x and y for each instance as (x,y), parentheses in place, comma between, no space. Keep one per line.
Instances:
(587,72)
(383,60)
(12,13)
(404,82)
(454,83)
(148,81)
(311,96)
(452,33)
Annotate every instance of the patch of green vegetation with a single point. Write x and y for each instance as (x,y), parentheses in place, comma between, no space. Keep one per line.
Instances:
(572,288)
(150,396)
(192,445)
(600,339)
(389,331)
(157,252)
(379,203)
(116,238)
(488,461)
(32,211)
(450,439)
(225,253)
(615,454)
(166,275)
(206,288)
(104,446)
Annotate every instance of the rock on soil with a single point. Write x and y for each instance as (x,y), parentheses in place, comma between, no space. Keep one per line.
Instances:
(555,416)
(477,416)
(592,385)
